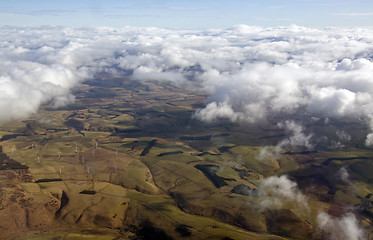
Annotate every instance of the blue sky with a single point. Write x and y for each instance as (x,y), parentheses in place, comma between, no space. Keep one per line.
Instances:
(191,14)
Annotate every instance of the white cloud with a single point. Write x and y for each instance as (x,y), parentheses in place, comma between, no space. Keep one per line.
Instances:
(297,140)
(215,111)
(275,192)
(343,136)
(344,175)
(336,145)
(346,227)
(297,136)
(280,192)
(354,14)
(268,153)
(250,72)
(25,85)
(369,140)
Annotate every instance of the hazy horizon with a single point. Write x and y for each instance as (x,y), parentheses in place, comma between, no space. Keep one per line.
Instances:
(187,15)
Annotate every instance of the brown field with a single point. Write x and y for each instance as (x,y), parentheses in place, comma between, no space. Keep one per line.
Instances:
(134,163)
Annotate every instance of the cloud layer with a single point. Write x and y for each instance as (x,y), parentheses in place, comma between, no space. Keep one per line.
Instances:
(251,73)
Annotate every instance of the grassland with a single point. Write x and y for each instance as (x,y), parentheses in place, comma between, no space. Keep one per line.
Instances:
(127,160)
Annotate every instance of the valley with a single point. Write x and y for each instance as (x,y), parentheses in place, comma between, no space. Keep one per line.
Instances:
(129,161)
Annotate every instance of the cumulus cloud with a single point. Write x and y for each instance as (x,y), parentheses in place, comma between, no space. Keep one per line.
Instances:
(335,145)
(251,73)
(280,192)
(25,85)
(369,140)
(276,192)
(343,136)
(297,138)
(215,111)
(29,76)
(344,175)
(268,153)
(346,227)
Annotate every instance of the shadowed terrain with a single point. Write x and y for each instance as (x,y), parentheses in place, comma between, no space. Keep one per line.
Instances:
(127,161)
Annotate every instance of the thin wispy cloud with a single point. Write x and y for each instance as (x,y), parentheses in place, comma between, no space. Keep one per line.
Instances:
(182,8)
(41,12)
(354,14)
(274,19)
(130,16)
(182,15)
(276,6)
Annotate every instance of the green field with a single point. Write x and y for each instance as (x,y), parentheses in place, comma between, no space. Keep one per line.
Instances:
(126,166)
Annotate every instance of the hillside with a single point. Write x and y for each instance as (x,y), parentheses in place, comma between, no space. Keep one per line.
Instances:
(128,161)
